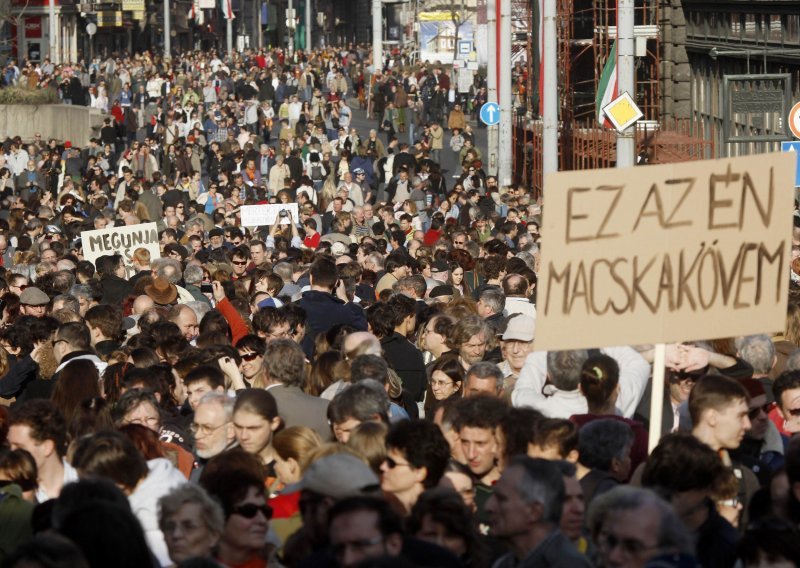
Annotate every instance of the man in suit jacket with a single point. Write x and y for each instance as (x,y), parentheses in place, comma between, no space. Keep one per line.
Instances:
(284,363)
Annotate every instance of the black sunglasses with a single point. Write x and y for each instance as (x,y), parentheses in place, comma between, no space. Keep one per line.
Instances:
(391,464)
(250,356)
(753,413)
(250,510)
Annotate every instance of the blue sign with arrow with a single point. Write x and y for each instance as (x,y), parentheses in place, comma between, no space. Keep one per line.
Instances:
(793,147)
(490,114)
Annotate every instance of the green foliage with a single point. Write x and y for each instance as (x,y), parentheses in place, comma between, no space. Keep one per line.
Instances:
(23,96)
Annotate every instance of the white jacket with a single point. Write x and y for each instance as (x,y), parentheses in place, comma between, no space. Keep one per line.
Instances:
(163,477)
(516,305)
(634,373)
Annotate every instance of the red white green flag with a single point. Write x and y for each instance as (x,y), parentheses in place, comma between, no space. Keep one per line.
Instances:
(227,10)
(608,88)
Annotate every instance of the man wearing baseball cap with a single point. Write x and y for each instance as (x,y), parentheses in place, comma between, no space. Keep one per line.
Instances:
(326,481)
(515,345)
(342,485)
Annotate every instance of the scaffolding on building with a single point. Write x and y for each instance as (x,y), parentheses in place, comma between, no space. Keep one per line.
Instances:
(586,32)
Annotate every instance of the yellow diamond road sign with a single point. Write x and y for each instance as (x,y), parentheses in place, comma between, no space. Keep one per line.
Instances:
(622,112)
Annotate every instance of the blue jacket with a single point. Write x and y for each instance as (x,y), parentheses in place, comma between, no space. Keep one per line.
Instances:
(323,311)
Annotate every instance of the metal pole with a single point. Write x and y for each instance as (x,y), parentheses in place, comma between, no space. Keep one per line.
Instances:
(308,25)
(291,19)
(229,25)
(52,44)
(491,82)
(504,88)
(377,35)
(626,141)
(260,26)
(549,98)
(167,31)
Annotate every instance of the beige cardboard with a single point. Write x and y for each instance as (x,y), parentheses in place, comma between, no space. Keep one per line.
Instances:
(677,252)
(121,240)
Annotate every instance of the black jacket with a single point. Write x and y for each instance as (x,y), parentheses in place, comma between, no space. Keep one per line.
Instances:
(407,361)
(115,289)
(404,159)
(295,167)
(323,311)
(20,374)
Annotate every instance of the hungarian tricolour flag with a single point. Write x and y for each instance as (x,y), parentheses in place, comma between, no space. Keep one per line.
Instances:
(227,10)
(608,89)
(196,13)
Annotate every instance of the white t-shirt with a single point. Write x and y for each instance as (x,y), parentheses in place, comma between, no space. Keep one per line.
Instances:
(70,475)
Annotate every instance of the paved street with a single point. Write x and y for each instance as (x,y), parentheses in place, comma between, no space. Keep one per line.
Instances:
(449,161)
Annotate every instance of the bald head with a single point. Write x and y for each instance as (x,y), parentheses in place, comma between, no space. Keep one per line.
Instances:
(361,343)
(515,285)
(185,318)
(142,304)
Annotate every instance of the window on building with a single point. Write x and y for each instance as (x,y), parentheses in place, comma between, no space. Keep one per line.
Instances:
(775,28)
(750,27)
(791,32)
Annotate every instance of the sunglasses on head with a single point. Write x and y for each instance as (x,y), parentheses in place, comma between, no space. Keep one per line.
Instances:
(249,357)
(250,510)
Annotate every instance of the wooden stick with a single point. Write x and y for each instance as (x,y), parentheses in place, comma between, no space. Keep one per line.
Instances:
(657,395)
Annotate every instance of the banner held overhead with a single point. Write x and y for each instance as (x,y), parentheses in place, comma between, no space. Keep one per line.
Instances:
(660,254)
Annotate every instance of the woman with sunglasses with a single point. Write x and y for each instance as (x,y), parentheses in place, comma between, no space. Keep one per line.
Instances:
(251,350)
(241,493)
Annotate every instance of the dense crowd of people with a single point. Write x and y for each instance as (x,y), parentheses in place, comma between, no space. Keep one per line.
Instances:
(353,385)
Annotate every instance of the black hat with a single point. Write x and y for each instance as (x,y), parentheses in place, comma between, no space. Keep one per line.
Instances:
(443,290)
(216,232)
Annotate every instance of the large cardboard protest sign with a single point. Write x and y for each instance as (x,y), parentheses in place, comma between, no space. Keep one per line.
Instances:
(665,253)
(121,240)
(262,215)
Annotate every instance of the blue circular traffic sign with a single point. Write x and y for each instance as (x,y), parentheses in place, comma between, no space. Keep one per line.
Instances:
(490,114)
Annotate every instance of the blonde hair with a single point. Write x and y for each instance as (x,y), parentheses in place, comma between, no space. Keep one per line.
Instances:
(368,440)
(330,449)
(4,364)
(298,443)
(793,323)
(142,255)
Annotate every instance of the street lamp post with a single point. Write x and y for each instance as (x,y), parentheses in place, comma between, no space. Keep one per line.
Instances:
(52,43)
(167,31)
(377,35)
(308,25)
(626,77)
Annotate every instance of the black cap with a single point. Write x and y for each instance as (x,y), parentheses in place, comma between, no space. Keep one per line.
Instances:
(443,290)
